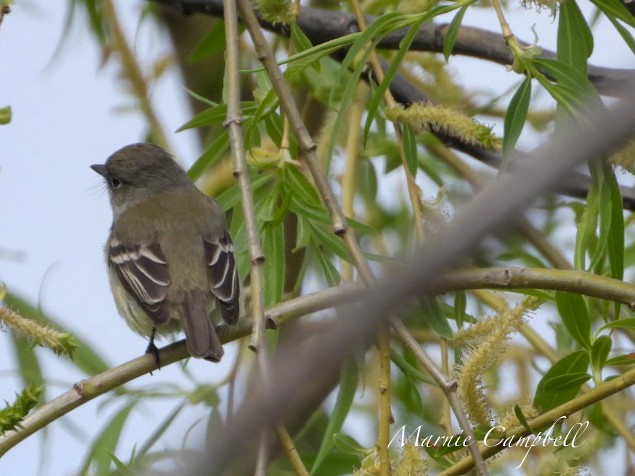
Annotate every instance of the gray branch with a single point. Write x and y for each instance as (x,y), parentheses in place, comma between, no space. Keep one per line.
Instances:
(324,25)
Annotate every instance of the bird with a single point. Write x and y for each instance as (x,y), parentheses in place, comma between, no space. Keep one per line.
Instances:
(169,254)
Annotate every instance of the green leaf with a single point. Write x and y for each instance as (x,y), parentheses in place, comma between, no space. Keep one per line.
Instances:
(410,149)
(331,274)
(626,35)
(300,187)
(373,34)
(200,98)
(452,32)
(573,90)
(350,87)
(575,40)
(266,106)
(212,42)
(521,417)
(620,360)
(608,200)
(330,242)
(123,468)
(574,365)
(408,370)
(603,216)
(361,228)
(600,351)
(563,382)
(314,215)
(5,115)
(161,429)
(460,307)
(106,442)
(349,445)
(231,197)
(587,223)
(303,64)
(267,205)
(300,40)
(367,179)
(347,388)
(516,116)
(274,265)
(615,242)
(303,233)
(29,368)
(404,47)
(317,52)
(358,53)
(434,317)
(211,156)
(628,323)
(211,116)
(274,126)
(615,9)
(567,77)
(575,316)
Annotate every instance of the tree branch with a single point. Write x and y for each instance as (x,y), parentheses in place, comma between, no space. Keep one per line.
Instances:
(579,282)
(598,394)
(492,208)
(324,25)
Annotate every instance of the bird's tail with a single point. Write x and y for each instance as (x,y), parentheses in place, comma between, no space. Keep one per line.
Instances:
(201,338)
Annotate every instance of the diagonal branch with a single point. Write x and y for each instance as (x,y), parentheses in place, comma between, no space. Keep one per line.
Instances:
(511,279)
(324,25)
(321,25)
(494,207)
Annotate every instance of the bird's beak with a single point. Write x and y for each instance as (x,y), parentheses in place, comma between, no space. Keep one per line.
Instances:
(99,168)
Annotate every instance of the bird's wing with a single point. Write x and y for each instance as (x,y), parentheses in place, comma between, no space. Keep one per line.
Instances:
(143,270)
(222,275)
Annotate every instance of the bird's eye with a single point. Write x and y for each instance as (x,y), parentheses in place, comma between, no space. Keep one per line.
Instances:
(115,183)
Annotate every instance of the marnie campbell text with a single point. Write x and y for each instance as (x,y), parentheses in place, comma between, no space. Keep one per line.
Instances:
(572,438)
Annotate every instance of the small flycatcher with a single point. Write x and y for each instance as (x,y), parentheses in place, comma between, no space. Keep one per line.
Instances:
(170,257)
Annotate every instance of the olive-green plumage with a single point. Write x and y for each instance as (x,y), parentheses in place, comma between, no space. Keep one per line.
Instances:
(170,257)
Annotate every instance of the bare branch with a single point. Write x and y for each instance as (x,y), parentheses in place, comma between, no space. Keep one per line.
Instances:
(322,25)
(494,207)
(325,25)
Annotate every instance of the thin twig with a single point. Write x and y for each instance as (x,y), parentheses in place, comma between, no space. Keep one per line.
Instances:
(258,341)
(352,155)
(492,208)
(535,237)
(308,146)
(233,123)
(449,386)
(579,282)
(324,25)
(92,387)
(262,455)
(385,393)
(413,189)
(575,281)
(292,453)
(598,394)
(612,418)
